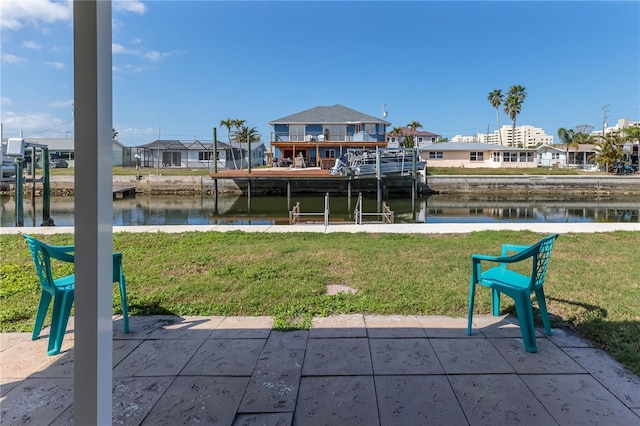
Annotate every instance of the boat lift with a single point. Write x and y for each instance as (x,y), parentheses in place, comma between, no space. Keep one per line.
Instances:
(16,149)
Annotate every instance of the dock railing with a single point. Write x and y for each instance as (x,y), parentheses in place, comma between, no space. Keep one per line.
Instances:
(295,213)
(386,215)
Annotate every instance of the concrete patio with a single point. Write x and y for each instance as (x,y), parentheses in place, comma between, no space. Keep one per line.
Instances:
(345,370)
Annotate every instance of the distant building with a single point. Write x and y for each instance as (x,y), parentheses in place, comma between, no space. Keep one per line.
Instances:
(421,138)
(64,149)
(476,154)
(197,154)
(319,135)
(525,137)
(622,124)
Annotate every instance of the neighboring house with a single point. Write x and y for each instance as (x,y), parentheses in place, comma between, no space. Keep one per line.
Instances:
(580,157)
(196,154)
(421,139)
(64,148)
(323,133)
(552,156)
(474,154)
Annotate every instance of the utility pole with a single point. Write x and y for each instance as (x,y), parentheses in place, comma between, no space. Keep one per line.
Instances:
(604,119)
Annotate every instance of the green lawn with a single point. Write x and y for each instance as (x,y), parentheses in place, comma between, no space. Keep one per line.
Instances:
(593,282)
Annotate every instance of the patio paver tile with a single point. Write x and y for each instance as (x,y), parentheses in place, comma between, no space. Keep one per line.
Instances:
(417,400)
(262,419)
(274,385)
(204,400)
(493,399)
(590,403)
(548,360)
(36,401)
(404,356)
(470,356)
(187,328)
(336,400)
(224,357)
(157,358)
(339,356)
(609,372)
(436,326)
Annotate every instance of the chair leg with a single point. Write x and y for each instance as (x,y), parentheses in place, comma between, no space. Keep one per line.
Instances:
(472,291)
(61,310)
(495,302)
(43,307)
(544,314)
(525,317)
(125,303)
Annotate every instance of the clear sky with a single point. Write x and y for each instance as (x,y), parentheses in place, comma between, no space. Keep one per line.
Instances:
(179,67)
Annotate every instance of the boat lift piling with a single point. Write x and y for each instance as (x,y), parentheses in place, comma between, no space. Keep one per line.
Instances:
(16,148)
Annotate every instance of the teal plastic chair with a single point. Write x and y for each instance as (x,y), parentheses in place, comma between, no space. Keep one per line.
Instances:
(62,290)
(501,279)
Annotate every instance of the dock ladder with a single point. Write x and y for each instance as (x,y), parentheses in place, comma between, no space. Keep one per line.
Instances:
(295,213)
(386,215)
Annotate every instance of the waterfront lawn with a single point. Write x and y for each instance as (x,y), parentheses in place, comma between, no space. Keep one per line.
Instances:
(593,281)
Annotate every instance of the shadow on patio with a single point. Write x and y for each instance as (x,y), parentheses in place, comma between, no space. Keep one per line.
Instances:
(347,369)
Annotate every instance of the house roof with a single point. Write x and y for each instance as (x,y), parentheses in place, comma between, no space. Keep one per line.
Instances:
(408,131)
(471,146)
(336,114)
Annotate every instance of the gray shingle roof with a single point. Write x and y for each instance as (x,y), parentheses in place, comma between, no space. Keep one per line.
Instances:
(336,114)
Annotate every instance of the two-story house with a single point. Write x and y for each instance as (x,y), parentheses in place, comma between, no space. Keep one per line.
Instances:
(421,138)
(319,135)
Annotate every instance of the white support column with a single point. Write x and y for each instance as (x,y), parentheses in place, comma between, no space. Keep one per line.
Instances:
(93,212)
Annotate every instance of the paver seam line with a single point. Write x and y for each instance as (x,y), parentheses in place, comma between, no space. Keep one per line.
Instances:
(626,370)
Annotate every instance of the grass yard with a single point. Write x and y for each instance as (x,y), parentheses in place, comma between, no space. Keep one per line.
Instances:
(593,280)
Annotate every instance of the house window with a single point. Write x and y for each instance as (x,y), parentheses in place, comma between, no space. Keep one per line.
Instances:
(335,133)
(330,153)
(436,155)
(555,155)
(420,139)
(171,159)
(204,155)
(526,157)
(496,157)
(296,133)
(476,156)
(370,129)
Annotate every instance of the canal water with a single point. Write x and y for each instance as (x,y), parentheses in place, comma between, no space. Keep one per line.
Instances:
(265,210)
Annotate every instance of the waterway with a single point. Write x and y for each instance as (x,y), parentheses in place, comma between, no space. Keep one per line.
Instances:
(265,210)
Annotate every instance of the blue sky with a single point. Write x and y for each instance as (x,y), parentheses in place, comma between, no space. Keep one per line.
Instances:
(181,67)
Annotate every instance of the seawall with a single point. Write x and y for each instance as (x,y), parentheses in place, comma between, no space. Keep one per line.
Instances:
(602,185)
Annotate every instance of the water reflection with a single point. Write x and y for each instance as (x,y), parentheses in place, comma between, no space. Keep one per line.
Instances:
(232,209)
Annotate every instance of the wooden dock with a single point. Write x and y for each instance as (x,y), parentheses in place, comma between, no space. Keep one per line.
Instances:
(124,191)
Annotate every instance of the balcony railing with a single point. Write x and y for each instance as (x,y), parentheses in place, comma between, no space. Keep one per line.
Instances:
(320,137)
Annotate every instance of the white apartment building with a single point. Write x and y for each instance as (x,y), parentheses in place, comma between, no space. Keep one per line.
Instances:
(622,123)
(526,137)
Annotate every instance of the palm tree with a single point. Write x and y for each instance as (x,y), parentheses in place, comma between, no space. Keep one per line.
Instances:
(245,134)
(495,99)
(414,126)
(609,150)
(397,132)
(513,105)
(567,137)
(578,139)
(238,123)
(409,141)
(228,123)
